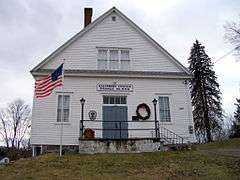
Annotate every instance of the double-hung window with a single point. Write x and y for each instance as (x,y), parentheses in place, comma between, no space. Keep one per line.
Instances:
(102,59)
(164,109)
(125,60)
(113,59)
(63,108)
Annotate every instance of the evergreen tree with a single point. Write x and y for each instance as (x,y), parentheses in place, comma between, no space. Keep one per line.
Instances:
(236,123)
(237,112)
(205,94)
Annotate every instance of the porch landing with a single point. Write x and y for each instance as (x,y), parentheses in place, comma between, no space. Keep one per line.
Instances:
(129,145)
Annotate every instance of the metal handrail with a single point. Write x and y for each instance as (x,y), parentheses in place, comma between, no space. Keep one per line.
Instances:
(119,128)
(113,129)
(170,136)
(162,132)
(117,121)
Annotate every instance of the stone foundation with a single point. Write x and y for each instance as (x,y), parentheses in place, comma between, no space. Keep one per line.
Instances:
(92,146)
(55,148)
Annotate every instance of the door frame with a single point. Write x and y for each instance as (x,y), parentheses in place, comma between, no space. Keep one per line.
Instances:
(114,105)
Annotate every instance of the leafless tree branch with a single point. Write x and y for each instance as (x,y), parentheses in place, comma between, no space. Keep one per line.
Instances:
(232,34)
(15,122)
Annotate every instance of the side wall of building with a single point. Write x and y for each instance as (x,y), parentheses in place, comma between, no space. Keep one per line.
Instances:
(46,130)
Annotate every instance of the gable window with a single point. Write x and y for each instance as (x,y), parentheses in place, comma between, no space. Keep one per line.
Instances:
(113,59)
(164,109)
(102,59)
(65,101)
(125,60)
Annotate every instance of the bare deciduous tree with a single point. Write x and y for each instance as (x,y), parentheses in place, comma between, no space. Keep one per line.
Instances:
(15,123)
(228,123)
(232,34)
(4,127)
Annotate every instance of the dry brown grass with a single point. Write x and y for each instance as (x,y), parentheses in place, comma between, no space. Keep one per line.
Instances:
(194,164)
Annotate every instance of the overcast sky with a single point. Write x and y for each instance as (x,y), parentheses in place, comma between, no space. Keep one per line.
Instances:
(31,29)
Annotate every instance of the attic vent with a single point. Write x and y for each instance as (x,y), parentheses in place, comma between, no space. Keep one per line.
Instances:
(113,18)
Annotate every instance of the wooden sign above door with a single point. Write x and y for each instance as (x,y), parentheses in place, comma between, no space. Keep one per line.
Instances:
(115,87)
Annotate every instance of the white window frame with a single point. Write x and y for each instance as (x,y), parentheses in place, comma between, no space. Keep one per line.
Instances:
(124,60)
(108,49)
(69,116)
(98,59)
(112,60)
(170,108)
(115,95)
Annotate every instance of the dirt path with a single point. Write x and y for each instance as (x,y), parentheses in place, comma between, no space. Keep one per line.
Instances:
(227,152)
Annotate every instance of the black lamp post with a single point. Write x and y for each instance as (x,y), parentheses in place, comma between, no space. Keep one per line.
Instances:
(82,101)
(155,116)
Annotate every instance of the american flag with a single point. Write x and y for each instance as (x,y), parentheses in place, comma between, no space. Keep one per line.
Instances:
(44,87)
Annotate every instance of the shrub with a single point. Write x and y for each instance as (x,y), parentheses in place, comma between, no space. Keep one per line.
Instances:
(14,154)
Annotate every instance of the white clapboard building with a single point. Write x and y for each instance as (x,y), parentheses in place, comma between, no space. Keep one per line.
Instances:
(118,70)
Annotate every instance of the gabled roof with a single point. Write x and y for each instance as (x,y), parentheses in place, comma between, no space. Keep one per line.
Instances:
(100,19)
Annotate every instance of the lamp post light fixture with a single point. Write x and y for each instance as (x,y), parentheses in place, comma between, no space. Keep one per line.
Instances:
(155,117)
(82,101)
(154,102)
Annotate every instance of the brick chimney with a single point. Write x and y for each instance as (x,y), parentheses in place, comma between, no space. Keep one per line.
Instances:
(87,16)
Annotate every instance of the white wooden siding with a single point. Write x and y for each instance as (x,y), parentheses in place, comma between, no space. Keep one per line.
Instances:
(82,54)
(46,130)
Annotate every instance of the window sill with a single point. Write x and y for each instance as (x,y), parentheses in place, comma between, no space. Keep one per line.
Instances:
(165,123)
(63,123)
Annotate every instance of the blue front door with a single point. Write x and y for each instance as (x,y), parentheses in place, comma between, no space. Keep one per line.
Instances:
(115,122)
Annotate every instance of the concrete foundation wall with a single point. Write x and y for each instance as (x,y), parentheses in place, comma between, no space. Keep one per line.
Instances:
(92,146)
(118,146)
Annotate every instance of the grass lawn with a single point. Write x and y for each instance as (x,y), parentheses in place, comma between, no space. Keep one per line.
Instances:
(194,164)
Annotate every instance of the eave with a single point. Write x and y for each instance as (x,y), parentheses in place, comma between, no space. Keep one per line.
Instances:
(116,73)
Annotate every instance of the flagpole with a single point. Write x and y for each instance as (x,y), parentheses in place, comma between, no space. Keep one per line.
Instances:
(62,113)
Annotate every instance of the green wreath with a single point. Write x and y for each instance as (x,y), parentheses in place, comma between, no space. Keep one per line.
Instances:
(146,107)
